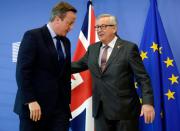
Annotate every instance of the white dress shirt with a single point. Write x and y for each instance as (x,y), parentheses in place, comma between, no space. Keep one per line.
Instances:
(109,50)
(53,35)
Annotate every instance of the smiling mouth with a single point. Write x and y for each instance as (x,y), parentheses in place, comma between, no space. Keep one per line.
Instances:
(100,35)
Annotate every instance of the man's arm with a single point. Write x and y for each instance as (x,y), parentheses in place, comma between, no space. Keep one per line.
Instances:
(141,75)
(24,68)
(144,80)
(24,74)
(80,65)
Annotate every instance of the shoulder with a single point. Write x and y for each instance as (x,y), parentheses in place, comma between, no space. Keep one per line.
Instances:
(31,37)
(35,31)
(95,45)
(32,33)
(128,45)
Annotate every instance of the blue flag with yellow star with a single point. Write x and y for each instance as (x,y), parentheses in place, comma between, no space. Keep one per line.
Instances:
(160,64)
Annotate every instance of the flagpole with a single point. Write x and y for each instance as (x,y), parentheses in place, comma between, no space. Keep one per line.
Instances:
(81,94)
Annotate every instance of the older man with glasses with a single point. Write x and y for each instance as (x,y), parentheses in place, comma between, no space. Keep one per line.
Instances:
(113,63)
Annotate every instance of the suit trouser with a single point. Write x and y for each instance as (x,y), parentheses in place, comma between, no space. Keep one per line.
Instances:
(103,124)
(55,123)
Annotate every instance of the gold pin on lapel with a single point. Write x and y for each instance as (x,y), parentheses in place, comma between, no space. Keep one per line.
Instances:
(118,46)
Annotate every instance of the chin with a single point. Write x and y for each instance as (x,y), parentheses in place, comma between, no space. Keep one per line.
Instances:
(101,39)
(63,35)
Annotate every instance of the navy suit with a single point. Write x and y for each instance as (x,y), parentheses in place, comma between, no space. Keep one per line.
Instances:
(40,77)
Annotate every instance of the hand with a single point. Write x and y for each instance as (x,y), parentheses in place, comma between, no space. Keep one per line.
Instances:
(148,112)
(35,111)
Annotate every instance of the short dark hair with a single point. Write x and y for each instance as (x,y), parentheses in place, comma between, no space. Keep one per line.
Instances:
(61,9)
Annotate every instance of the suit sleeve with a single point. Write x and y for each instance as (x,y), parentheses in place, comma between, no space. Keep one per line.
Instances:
(80,65)
(141,75)
(24,68)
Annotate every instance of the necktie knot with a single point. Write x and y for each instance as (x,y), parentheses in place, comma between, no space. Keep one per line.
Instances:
(58,37)
(106,47)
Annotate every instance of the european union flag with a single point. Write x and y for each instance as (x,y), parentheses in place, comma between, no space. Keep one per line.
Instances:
(160,64)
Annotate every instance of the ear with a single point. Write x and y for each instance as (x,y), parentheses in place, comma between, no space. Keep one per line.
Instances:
(115,29)
(57,20)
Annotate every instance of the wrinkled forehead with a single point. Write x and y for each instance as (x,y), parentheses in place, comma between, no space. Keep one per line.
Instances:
(103,20)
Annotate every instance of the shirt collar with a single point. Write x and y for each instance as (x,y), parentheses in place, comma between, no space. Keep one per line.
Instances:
(53,34)
(112,43)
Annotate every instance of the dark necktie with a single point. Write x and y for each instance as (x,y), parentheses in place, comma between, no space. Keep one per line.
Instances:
(59,49)
(104,58)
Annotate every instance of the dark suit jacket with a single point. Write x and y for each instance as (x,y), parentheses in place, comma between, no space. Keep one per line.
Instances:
(39,75)
(115,86)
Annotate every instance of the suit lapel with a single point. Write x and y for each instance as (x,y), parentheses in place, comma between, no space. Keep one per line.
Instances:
(50,44)
(114,52)
(96,52)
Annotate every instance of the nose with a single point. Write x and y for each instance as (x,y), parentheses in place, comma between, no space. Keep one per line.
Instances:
(99,31)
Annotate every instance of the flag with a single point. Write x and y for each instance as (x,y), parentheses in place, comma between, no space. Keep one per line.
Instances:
(160,64)
(81,94)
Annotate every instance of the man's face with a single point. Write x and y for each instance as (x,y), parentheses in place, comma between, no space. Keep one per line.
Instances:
(105,29)
(65,25)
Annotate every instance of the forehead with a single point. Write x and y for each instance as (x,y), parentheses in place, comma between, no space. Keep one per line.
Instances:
(70,15)
(103,20)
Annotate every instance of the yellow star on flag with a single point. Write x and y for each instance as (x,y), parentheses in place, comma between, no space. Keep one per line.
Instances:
(140,99)
(143,55)
(169,62)
(160,50)
(170,94)
(154,47)
(135,84)
(173,79)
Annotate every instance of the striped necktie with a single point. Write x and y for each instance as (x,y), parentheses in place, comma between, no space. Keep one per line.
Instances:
(104,58)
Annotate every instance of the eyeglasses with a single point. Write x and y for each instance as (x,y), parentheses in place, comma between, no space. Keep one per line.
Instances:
(102,27)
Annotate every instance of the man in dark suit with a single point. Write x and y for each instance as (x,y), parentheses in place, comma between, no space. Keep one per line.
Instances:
(113,63)
(43,74)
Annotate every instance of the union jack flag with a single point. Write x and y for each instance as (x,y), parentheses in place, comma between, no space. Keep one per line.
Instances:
(81,94)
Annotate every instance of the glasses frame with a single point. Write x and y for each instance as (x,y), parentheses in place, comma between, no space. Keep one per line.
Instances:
(102,27)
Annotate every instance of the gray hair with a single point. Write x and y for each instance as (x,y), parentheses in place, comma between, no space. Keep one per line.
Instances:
(112,18)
